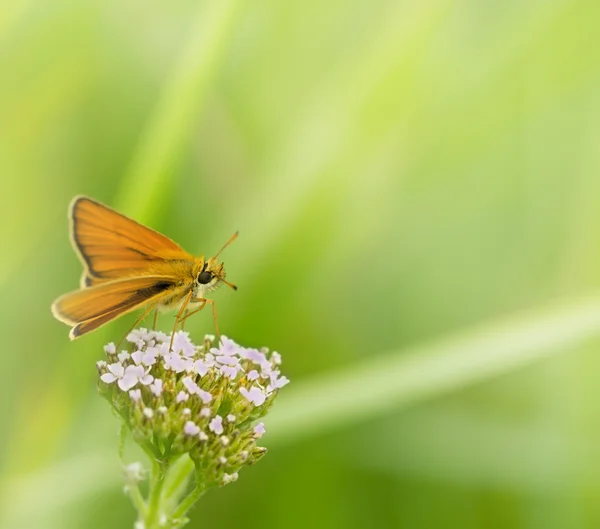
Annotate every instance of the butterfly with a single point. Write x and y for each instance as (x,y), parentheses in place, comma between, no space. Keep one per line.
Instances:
(128,266)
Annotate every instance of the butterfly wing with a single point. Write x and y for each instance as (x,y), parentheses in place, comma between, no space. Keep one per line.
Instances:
(112,246)
(92,307)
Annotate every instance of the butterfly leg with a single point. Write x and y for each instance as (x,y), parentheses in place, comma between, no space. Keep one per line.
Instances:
(203,302)
(183,306)
(144,314)
(214,311)
(155,319)
(182,321)
(188,314)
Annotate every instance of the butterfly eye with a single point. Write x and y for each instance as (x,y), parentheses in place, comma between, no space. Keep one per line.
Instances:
(204,278)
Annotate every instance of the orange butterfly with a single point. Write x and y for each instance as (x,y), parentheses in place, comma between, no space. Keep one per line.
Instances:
(128,266)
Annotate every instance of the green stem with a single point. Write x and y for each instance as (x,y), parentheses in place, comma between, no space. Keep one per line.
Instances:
(159,469)
(166,483)
(189,500)
(137,500)
(176,481)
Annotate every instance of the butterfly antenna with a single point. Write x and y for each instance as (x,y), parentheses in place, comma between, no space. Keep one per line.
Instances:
(231,239)
(230,285)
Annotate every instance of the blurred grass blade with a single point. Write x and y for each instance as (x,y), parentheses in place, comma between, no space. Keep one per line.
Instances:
(80,477)
(169,128)
(473,449)
(326,131)
(388,382)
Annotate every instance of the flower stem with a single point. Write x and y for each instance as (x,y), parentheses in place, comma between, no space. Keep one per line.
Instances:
(189,501)
(176,481)
(137,499)
(153,517)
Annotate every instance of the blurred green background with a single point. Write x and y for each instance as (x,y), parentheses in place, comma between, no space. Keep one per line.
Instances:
(416,186)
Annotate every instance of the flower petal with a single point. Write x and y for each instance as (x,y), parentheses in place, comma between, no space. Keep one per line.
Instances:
(127,382)
(204,395)
(216,425)
(191,428)
(116,369)
(108,378)
(146,380)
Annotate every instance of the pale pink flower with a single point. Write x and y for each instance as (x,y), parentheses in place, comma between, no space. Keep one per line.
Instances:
(255,395)
(182,344)
(216,425)
(157,387)
(191,428)
(259,430)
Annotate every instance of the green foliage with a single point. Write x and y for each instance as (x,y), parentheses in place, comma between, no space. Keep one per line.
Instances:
(415,185)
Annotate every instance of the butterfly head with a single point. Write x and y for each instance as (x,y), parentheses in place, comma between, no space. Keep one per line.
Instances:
(212,273)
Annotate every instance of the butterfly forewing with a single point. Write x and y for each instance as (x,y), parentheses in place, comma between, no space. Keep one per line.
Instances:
(112,246)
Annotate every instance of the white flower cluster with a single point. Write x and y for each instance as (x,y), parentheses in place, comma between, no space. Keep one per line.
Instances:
(203,400)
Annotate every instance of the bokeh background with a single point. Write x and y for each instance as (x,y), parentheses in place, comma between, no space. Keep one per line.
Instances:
(417,189)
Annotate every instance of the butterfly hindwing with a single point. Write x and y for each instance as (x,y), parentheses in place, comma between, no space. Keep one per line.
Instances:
(89,308)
